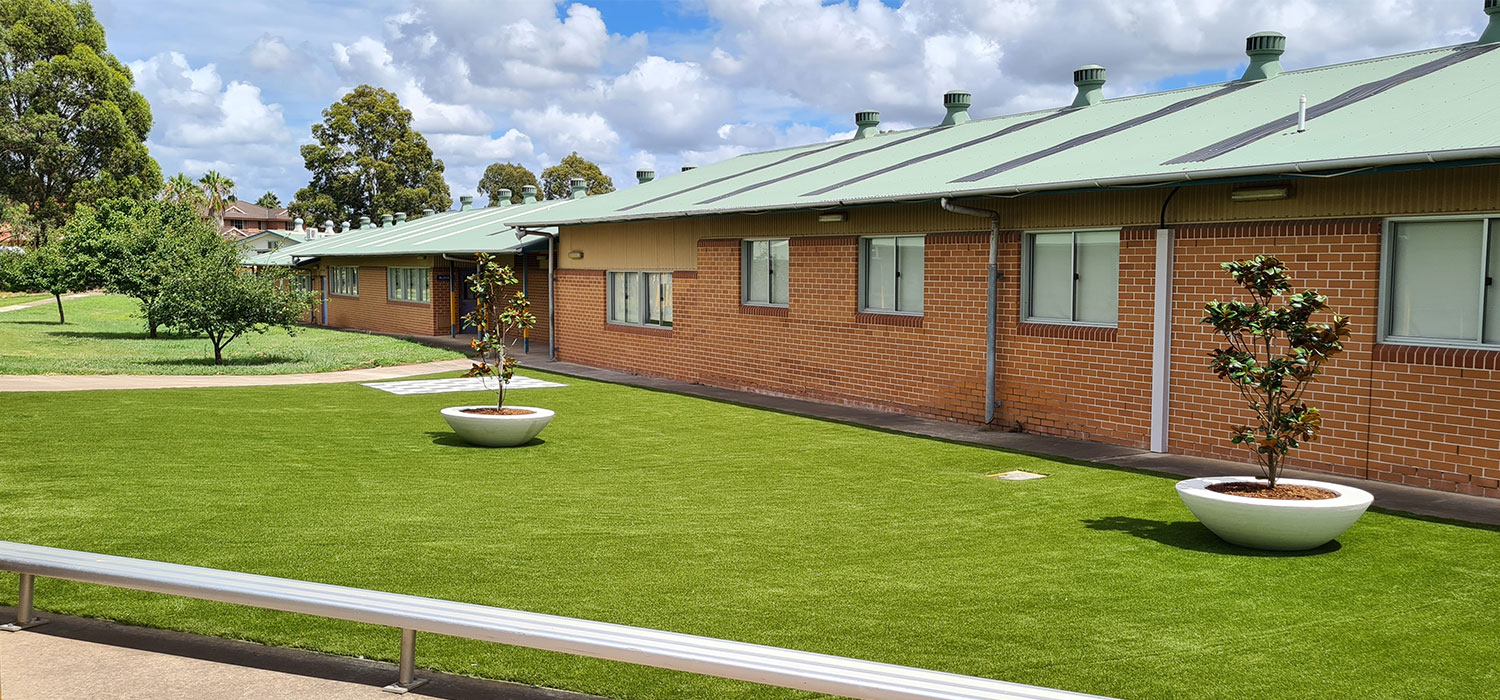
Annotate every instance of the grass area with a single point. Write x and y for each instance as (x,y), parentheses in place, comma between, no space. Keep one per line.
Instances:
(682,514)
(104,336)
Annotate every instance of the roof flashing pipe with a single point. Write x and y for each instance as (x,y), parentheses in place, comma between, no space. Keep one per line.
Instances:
(990,301)
(551,288)
(1491,33)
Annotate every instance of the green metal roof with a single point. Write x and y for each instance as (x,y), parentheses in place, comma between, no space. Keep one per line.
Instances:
(1426,107)
(281,257)
(487,230)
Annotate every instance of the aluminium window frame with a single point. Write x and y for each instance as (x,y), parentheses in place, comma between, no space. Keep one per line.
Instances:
(644,310)
(1028,275)
(426,290)
(1386,283)
(745,273)
(863,263)
(333,280)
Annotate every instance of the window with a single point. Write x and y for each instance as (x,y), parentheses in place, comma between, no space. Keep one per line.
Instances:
(302,283)
(763,272)
(640,298)
(237,223)
(1073,277)
(343,281)
(407,284)
(289,226)
(1439,285)
(891,274)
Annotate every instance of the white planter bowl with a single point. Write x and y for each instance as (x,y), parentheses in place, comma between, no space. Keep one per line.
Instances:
(1264,523)
(497,431)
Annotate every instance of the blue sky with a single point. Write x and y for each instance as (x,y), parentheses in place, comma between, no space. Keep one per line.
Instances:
(644,83)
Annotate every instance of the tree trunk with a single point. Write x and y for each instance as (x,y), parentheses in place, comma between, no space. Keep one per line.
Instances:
(60,318)
(150,329)
(218,354)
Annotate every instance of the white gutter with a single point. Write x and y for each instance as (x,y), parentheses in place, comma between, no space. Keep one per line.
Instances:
(992,277)
(1311,167)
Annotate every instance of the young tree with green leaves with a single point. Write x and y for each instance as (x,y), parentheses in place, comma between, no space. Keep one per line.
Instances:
(505,176)
(72,128)
(218,192)
(557,180)
(1272,355)
(368,161)
(269,200)
(497,313)
(213,295)
(50,269)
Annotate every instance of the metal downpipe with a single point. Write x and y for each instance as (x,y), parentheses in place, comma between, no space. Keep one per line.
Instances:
(990,314)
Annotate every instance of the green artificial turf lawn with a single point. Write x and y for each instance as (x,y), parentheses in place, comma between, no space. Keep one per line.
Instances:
(104,336)
(682,514)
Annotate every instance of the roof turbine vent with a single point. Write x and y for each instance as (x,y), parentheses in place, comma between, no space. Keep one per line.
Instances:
(528,194)
(466,202)
(580,187)
(386,219)
(1491,33)
(502,197)
(1090,82)
(644,175)
(868,122)
(1264,50)
(957,104)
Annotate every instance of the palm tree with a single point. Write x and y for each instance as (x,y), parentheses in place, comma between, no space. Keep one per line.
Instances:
(219,191)
(180,189)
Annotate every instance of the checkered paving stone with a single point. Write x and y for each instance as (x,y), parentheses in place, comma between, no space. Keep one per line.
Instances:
(446,386)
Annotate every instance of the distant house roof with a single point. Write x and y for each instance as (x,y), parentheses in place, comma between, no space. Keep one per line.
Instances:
(470,231)
(1417,109)
(251,210)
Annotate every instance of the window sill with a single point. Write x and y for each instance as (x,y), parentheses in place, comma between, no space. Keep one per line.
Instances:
(1069,331)
(409,303)
(765,310)
(346,296)
(1464,358)
(889,319)
(637,330)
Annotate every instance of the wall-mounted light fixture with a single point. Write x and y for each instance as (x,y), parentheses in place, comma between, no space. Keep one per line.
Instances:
(575,254)
(1260,194)
(833,218)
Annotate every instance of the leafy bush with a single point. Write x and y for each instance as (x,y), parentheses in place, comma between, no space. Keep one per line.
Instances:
(495,316)
(1270,379)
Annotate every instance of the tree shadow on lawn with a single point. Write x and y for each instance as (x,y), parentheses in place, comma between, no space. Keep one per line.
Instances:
(208,361)
(120,335)
(1191,535)
(451,439)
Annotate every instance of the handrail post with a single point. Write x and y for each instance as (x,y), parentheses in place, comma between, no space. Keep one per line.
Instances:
(406,670)
(24,620)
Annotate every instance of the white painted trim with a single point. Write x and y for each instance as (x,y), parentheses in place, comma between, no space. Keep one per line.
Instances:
(1161,342)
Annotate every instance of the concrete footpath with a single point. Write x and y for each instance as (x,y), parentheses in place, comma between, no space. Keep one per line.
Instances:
(72,658)
(44,302)
(93,382)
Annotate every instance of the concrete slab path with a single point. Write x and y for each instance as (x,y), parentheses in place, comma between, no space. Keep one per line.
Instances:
(44,302)
(93,382)
(72,658)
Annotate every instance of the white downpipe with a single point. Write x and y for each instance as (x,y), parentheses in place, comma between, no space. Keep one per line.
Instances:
(1161,341)
(992,278)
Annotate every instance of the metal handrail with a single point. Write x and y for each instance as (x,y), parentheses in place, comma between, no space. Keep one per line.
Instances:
(821,673)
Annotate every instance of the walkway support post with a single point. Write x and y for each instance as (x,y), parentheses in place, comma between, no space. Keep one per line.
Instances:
(990,303)
(551,289)
(406,669)
(1161,341)
(25,618)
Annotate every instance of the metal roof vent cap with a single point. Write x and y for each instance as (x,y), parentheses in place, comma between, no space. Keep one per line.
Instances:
(429,211)
(386,219)
(466,202)
(868,123)
(579,186)
(957,104)
(1491,33)
(1264,50)
(502,197)
(400,217)
(364,222)
(644,176)
(528,194)
(1090,81)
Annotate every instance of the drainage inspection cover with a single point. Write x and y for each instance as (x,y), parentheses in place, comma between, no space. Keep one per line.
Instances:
(1018,475)
(448,386)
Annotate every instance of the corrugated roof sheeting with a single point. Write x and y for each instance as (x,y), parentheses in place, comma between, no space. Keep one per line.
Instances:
(469,231)
(1443,105)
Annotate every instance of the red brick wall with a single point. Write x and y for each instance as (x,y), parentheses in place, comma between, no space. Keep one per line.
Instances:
(372,311)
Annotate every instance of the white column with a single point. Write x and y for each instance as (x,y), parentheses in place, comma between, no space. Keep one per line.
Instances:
(1161,341)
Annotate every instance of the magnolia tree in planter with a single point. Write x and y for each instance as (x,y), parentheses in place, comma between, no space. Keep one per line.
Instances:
(498,313)
(1273,351)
